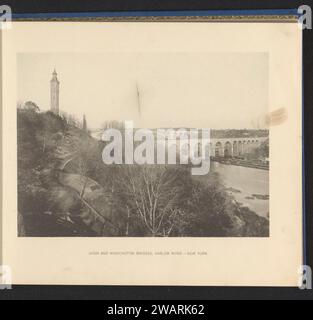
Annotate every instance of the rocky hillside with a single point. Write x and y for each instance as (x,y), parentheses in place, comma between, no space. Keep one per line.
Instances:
(56,196)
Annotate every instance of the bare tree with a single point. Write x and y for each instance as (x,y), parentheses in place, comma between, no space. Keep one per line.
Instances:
(153,193)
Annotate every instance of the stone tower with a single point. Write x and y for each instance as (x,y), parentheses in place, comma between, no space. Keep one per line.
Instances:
(85,123)
(54,87)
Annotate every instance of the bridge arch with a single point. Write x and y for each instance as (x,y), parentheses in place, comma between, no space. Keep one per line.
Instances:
(240,148)
(248,146)
(244,147)
(228,150)
(235,149)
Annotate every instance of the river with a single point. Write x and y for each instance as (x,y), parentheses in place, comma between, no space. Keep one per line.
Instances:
(243,183)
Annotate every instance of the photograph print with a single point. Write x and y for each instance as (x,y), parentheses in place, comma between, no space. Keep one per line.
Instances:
(143,144)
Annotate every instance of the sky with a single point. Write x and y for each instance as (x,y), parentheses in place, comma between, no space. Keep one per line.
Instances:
(205,90)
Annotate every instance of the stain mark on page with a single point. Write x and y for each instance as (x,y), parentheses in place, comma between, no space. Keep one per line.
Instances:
(276,118)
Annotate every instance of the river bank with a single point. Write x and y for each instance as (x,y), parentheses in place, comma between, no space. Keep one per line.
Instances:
(241,163)
(248,186)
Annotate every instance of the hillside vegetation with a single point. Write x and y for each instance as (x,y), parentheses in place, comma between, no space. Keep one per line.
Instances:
(64,189)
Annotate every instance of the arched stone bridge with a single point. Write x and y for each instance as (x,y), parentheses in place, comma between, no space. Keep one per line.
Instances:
(234,147)
(219,146)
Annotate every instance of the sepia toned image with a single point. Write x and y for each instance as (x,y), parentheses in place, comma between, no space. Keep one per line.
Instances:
(70,108)
(152,153)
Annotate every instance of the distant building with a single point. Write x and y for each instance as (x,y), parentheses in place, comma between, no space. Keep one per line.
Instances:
(54,92)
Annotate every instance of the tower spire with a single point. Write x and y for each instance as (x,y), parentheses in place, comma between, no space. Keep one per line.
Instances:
(84,123)
(54,92)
